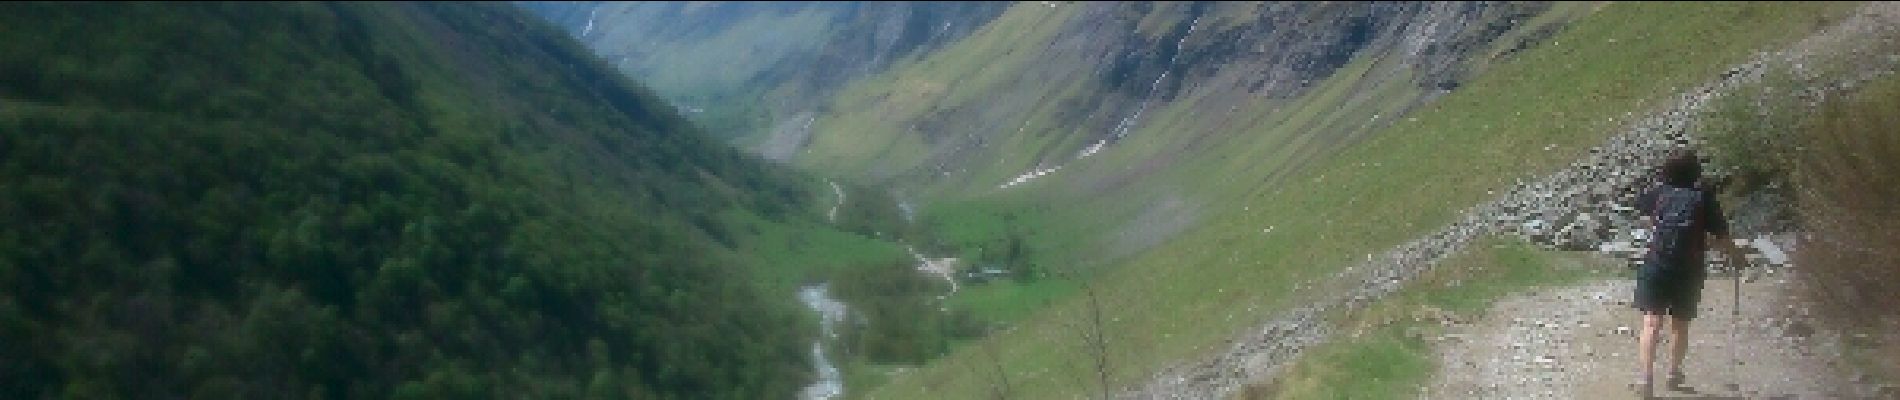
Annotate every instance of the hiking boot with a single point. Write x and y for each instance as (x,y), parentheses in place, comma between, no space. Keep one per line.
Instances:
(1676,379)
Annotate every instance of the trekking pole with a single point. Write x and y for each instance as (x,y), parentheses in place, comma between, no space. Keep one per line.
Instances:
(1734,320)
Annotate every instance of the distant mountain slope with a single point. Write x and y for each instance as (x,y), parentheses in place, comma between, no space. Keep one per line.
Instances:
(365,200)
(1048,84)
(743,67)
(1138,117)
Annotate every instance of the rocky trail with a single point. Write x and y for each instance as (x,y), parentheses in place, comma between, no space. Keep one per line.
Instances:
(1580,207)
(1579,342)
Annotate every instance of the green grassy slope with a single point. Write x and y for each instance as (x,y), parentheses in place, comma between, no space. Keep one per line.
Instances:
(868,135)
(1384,356)
(1260,241)
(1202,149)
(355,200)
(1748,129)
(1036,104)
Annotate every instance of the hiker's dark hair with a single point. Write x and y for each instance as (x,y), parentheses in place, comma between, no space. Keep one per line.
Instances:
(1682,169)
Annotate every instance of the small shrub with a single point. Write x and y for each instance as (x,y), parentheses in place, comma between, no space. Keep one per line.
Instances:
(1751,132)
(1848,180)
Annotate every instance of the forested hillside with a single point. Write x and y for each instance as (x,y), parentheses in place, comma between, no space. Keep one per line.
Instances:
(366,200)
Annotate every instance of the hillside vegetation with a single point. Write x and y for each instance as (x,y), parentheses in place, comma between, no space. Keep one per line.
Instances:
(1383,351)
(1817,145)
(1273,235)
(372,200)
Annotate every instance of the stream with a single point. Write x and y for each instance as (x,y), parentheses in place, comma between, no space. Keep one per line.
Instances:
(831,312)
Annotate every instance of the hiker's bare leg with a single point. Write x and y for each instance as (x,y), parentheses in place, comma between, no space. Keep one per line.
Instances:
(1678,342)
(1646,344)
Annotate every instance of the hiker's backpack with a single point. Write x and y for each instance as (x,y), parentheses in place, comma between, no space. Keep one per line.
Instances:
(1677,213)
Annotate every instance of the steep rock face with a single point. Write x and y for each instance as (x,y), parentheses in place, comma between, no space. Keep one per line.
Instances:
(1286,47)
(760,62)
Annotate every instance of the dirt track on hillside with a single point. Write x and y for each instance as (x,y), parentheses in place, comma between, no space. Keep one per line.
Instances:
(1579,342)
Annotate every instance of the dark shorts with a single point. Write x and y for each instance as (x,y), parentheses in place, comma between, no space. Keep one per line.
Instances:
(1669,291)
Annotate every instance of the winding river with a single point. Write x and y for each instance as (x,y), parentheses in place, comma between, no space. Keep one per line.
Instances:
(830,311)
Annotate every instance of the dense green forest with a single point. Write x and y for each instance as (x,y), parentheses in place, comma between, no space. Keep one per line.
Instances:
(366,200)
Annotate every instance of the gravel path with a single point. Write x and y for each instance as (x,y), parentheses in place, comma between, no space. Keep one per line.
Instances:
(1579,342)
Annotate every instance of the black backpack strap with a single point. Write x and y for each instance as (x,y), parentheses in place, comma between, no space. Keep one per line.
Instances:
(1655,210)
(1655,213)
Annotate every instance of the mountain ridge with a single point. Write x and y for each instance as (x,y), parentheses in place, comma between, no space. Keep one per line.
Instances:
(742,68)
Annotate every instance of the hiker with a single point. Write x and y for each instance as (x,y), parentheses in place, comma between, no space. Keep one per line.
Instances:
(1683,220)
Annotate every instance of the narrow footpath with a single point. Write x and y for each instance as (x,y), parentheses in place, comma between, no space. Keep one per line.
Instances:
(1579,342)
